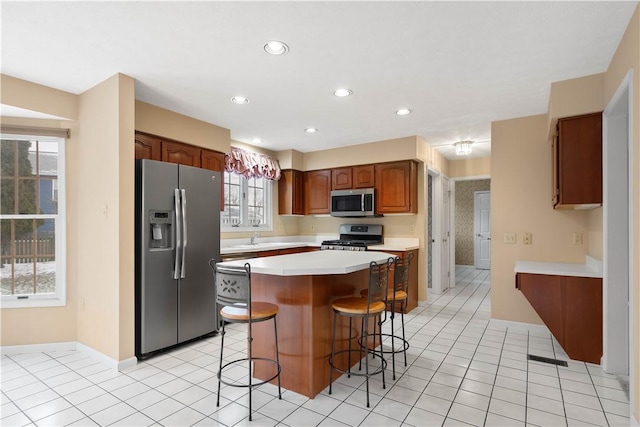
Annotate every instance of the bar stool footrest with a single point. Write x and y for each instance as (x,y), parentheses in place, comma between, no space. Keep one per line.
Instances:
(382,367)
(404,347)
(253,384)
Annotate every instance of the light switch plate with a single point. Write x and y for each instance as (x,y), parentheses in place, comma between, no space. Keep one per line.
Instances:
(509,238)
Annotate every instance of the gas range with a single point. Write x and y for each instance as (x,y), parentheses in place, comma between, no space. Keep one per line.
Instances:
(355,237)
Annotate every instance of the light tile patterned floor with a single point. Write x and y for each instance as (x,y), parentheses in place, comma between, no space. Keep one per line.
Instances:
(463,370)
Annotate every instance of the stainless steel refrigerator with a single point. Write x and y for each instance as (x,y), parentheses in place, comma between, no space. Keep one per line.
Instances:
(177,233)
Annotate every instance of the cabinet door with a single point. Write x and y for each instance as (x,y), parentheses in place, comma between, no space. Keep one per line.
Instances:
(318,192)
(183,154)
(341,179)
(364,176)
(291,192)
(397,190)
(579,161)
(147,147)
(214,161)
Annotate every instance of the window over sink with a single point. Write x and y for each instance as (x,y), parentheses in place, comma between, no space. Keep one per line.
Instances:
(247,203)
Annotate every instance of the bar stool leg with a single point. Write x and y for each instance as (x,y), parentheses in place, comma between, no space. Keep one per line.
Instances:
(381,350)
(393,339)
(250,341)
(349,356)
(365,336)
(275,332)
(402,307)
(220,370)
(333,351)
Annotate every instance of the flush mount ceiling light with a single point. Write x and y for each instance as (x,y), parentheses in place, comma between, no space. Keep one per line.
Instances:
(275,47)
(256,140)
(463,148)
(403,112)
(311,130)
(343,92)
(240,100)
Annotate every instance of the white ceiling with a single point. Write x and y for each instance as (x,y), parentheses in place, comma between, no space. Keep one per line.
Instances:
(457,65)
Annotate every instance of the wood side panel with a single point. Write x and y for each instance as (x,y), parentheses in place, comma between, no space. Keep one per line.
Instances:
(583,318)
(305,321)
(544,293)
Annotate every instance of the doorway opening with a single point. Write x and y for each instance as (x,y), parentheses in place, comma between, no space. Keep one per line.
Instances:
(466,224)
(618,210)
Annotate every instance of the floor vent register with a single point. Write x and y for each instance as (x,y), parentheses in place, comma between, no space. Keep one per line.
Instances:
(546,360)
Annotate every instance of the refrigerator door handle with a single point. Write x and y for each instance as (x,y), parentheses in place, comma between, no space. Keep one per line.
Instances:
(176,267)
(184,233)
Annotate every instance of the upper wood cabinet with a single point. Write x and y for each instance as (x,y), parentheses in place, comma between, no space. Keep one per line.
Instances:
(341,179)
(156,148)
(397,189)
(577,162)
(183,154)
(148,147)
(364,176)
(291,192)
(212,160)
(317,192)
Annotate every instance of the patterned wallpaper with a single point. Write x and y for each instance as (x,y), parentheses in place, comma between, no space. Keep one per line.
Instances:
(464,218)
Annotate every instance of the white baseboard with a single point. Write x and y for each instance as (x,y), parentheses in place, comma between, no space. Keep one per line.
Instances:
(8,350)
(540,329)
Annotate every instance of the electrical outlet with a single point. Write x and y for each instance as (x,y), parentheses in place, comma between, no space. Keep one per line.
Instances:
(509,238)
(313,227)
(526,238)
(577,238)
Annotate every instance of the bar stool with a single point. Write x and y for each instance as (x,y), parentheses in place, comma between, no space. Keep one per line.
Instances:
(371,307)
(233,292)
(397,296)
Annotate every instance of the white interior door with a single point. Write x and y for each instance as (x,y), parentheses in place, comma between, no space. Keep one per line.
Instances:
(446,233)
(482,229)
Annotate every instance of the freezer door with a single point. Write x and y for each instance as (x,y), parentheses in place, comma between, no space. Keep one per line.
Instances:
(156,290)
(197,314)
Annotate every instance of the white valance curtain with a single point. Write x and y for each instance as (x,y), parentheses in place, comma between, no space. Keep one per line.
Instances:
(252,165)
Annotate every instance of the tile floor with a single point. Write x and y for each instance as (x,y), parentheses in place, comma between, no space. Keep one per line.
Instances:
(463,370)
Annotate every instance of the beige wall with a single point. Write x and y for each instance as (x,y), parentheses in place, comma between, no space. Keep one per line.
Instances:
(574,97)
(105,204)
(627,57)
(480,166)
(465,213)
(521,202)
(22,326)
(162,122)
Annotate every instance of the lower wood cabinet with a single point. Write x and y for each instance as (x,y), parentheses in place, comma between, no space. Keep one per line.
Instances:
(571,307)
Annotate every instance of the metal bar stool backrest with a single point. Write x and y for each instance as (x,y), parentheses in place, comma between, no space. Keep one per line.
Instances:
(378,280)
(233,285)
(401,273)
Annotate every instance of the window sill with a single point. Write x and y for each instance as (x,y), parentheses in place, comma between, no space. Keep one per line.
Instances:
(245,229)
(32,302)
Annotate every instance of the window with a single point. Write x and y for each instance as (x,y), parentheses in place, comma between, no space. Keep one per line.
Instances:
(32,220)
(247,203)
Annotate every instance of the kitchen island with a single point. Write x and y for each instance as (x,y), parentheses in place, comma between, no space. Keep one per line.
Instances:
(303,286)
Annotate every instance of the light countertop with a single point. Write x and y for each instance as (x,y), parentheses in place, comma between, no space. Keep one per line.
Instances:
(313,263)
(591,268)
(240,246)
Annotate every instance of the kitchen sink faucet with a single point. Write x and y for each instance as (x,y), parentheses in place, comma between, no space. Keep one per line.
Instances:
(254,237)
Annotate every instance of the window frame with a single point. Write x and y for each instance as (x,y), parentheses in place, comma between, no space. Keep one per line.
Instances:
(58,298)
(244,208)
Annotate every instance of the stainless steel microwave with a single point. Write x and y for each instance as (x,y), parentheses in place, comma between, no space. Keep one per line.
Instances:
(353,203)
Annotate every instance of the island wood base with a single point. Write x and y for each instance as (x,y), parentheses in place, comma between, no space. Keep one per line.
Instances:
(305,322)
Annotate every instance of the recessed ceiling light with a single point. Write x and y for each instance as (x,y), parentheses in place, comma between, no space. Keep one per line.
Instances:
(240,100)
(311,130)
(403,112)
(275,47)
(343,92)
(256,140)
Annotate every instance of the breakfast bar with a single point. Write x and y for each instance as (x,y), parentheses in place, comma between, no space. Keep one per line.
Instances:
(303,286)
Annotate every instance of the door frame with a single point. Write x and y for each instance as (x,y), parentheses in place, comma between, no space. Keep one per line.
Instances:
(611,298)
(476,220)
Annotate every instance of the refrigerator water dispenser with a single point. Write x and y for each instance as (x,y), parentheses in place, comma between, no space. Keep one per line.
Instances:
(160,223)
